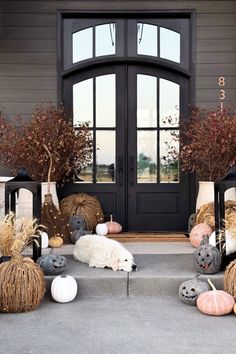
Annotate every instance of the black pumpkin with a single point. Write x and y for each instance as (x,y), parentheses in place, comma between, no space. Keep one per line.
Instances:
(52,263)
(189,290)
(207,258)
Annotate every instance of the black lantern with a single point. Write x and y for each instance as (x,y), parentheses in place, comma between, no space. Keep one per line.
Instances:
(22,180)
(220,186)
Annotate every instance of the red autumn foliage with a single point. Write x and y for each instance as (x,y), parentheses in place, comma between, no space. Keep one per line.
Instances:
(21,144)
(208,143)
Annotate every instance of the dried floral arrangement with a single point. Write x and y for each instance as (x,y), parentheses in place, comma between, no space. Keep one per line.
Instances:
(208,143)
(21,143)
(22,283)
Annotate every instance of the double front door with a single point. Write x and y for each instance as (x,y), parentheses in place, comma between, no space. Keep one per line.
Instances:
(133,113)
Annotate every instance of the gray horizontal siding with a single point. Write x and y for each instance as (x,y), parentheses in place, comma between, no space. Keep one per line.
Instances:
(28,47)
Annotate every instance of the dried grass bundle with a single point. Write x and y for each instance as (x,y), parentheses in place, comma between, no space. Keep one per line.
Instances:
(84,205)
(230,279)
(22,283)
(7,234)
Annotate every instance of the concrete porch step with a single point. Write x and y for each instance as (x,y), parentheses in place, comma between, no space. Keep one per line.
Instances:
(158,275)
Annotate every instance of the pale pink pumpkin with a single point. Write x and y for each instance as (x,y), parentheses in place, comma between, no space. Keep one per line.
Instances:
(113,227)
(198,232)
(215,302)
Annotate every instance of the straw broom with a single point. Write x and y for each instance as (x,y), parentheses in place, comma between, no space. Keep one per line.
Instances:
(51,217)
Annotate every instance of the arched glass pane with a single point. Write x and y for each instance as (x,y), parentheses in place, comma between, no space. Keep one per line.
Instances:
(147,39)
(169,45)
(106,101)
(106,156)
(169,156)
(169,103)
(105,43)
(146,156)
(146,101)
(83,102)
(82,45)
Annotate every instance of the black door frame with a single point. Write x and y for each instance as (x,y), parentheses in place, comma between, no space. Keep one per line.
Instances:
(189,72)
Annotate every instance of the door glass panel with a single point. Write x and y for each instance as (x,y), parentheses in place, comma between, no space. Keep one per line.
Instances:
(146,156)
(169,103)
(82,45)
(147,39)
(105,39)
(146,101)
(169,156)
(83,102)
(106,153)
(169,45)
(105,101)
(86,173)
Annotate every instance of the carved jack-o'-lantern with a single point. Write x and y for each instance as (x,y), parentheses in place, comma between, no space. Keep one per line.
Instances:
(52,264)
(207,258)
(189,290)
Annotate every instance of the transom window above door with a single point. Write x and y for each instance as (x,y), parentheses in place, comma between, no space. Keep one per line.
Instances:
(160,40)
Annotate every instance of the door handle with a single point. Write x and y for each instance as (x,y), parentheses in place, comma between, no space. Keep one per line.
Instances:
(131,170)
(120,170)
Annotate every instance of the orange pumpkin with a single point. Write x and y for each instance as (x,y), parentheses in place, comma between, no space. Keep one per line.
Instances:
(113,227)
(215,302)
(56,241)
(198,232)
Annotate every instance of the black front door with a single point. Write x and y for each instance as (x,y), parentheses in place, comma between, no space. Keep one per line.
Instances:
(128,77)
(134,172)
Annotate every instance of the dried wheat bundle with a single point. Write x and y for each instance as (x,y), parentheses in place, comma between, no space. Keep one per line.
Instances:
(84,205)
(206,214)
(7,234)
(22,283)
(230,279)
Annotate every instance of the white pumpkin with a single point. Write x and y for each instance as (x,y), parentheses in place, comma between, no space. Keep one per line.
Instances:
(102,229)
(64,288)
(44,239)
(230,242)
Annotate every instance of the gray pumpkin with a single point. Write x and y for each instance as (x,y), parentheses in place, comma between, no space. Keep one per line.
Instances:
(189,290)
(52,263)
(207,258)
(76,222)
(77,226)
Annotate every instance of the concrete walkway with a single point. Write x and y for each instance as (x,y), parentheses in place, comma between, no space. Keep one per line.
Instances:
(117,312)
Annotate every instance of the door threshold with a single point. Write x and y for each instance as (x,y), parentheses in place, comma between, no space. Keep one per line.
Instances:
(149,237)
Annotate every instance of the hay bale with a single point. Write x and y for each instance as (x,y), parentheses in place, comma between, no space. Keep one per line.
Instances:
(84,205)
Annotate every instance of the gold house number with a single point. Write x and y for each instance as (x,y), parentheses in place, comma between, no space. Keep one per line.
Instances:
(222,91)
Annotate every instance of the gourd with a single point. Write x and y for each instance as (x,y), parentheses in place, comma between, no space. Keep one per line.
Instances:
(230,279)
(102,229)
(189,290)
(215,302)
(44,239)
(52,263)
(207,258)
(64,288)
(113,227)
(198,233)
(56,241)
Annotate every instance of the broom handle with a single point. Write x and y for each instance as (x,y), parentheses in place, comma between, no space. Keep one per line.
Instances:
(50,166)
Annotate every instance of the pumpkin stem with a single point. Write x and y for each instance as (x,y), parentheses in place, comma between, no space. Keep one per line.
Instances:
(111,218)
(211,284)
(196,276)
